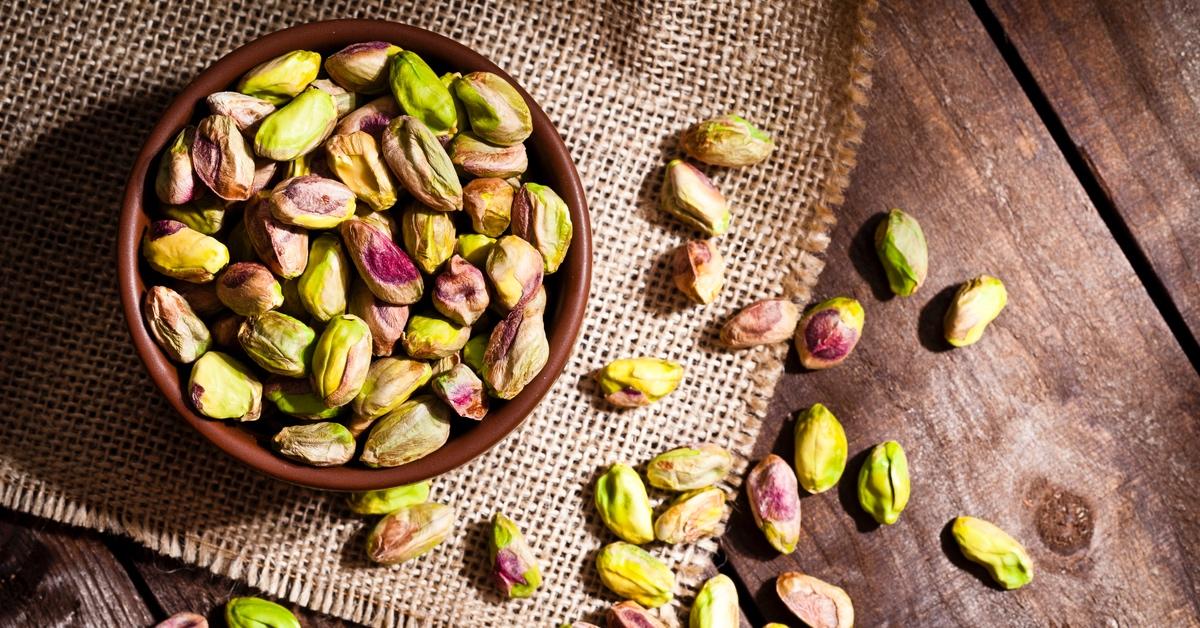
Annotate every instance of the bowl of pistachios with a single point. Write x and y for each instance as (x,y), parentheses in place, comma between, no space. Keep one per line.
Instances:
(354,254)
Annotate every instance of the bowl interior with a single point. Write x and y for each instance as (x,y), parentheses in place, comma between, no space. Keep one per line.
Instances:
(550,164)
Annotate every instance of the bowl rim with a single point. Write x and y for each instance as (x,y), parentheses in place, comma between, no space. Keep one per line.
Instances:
(546,146)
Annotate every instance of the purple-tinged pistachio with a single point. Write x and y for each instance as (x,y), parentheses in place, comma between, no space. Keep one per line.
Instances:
(362,67)
(976,304)
(635,382)
(1003,556)
(474,248)
(623,504)
(205,213)
(390,382)
(430,337)
(517,351)
(766,322)
(775,502)
(225,330)
(419,427)
(428,236)
(514,566)
(409,532)
(699,270)
(341,359)
(515,269)
(371,118)
(183,620)
(689,468)
(727,141)
(421,164)
(324,444)
(476,157)
(421,93)
(632,572)
(627,614)
(816,602)
(716,605)
(249,289)
(497,112)
(343,101)
(283,248)
(222,158)
(176,182)
(264,171)
(246,111)
(252,612)
(900,244)
(474,350)
(462,390)
(820,444)
(356,160)
(296,128)
(541,217)
(828,332)
(312,202)
(448,79)
(883,484)
(279,343)
(489,202)
(689,196)
(460,292)
(382,265)
(278,80)
(175,250)
(220,387)
(174,326)
(202,297)
(385,320)
(295,397)
(388,500)
(326,279)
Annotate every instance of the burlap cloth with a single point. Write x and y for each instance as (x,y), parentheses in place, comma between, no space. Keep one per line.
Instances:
(86,439)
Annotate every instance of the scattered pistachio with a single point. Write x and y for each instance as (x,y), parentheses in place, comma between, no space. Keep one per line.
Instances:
(295,397)
(249,289)
(175,183)
(828,332)
(515,269)
(245,111)
(419,427)
(325,280)
(386,270)
(356,159)
(282,247)
(409,532)
(634,382)
(175,250)
(900,244)
(421,93)
(488,202)
(174,326)
(775,501)
(820,449)
(497,112)
(462,390)
(312,201)
(278,80)
(727,141)
(689,468)
(315,444)
(390,382)
(766,322)
(428,337)
(716,605)
(1003,557)
(386,321)
(252,612)
(689,196)
(514,566)
(623,504)
(278,343)
(692,516)
(517,351)
(627,614)
(699,270)
(883,486)
(478,158)
(976,304)
(632,572)
(220,387)
(387,500)
(816,602)
(222,158)
(421,164)
(362,67)
(460,292)
(541,217)
(340,360)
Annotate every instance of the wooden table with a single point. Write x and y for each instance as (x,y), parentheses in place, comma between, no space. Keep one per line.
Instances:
(1052,144)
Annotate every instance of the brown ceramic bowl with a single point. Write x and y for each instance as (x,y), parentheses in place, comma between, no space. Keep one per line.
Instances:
(550,164)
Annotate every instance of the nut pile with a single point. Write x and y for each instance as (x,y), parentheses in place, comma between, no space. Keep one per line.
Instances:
(359,248)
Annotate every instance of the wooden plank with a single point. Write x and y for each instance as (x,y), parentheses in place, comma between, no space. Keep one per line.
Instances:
(52,575)
(1124,79)
(1072,424)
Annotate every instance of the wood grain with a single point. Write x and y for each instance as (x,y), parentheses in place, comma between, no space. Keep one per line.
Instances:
(1124,79)
(1072,424)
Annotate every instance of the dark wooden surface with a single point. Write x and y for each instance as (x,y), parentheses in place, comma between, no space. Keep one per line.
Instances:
(1052,144)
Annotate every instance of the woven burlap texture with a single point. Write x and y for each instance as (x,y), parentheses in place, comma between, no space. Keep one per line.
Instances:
(87,440)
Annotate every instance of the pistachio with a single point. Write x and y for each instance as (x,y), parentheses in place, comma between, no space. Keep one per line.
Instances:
(282,247)
(174,326)
(775,501)
(175,183)
(517,351)
(766,322)
(462,390)
(541,217)
(716,605)
(362,67)
(514,566)
(476,157)
(312,201)
(976,304)
(699,270)
(316,444)
(820,449)
(384,267)
(225,330)
(249,289)
(689,196)
(385,320)
(828,332)
(419,427)
(409,532)
(325,280)
(631,572)
(278,80)
(340,360)
(222,158)
(295,397)
(692,516)
(900,244)
(299,166)
(421,164)
(634,382)
(816,602)
(386,500)
(220,387)
(343,101)
(474,248)
(429,337)
(245,111)
(264,171)
(883,486)
(382,221)
(497,112)
(689,468)
(627,614)
(201,296)
(428,236)
(727,141)
(488,202)
(183,620)
(448,79)
(174,250)
(252,612)
(515,269)
(205,213)
(356,160)
(442,365)
(421,93)
(296,128)
(474,351)
(623,504)
(279,343)
(390,382)
(371,118)
(1003,557)
(460,292)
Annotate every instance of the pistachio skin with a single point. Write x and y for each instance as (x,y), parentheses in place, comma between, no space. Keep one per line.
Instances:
(246,111)
(828,332)
(278,343)
(497,112)
(283,248)
(357,161)
(516,353)
(478,158)
(542,218)
(635,382)
(428,236)
(252,612)
(297,128)
(820,449)
(623,504)
(515,269)
(419,427)
(249,289)
(175,250)
(428,337)
(222,159)
(362,67)
(421,165)
(816,602)
(632,572)
(461,389)
(775,502)
(410,532)
(390,382)
(341,359)
(384,267)
(488,201)
(386,500)
(976,304)
(691,197)
(883,484)
(691,516)
(371,118)
(514,567)
(220,387)
(176,182)
(689,468)
(728,140)
(278,80)
(312,202)
(698,270)
(173,324)
(385,320)
(900,244)
(323,285)
(460,292)
(315,444)
(627,614)
(766,322)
